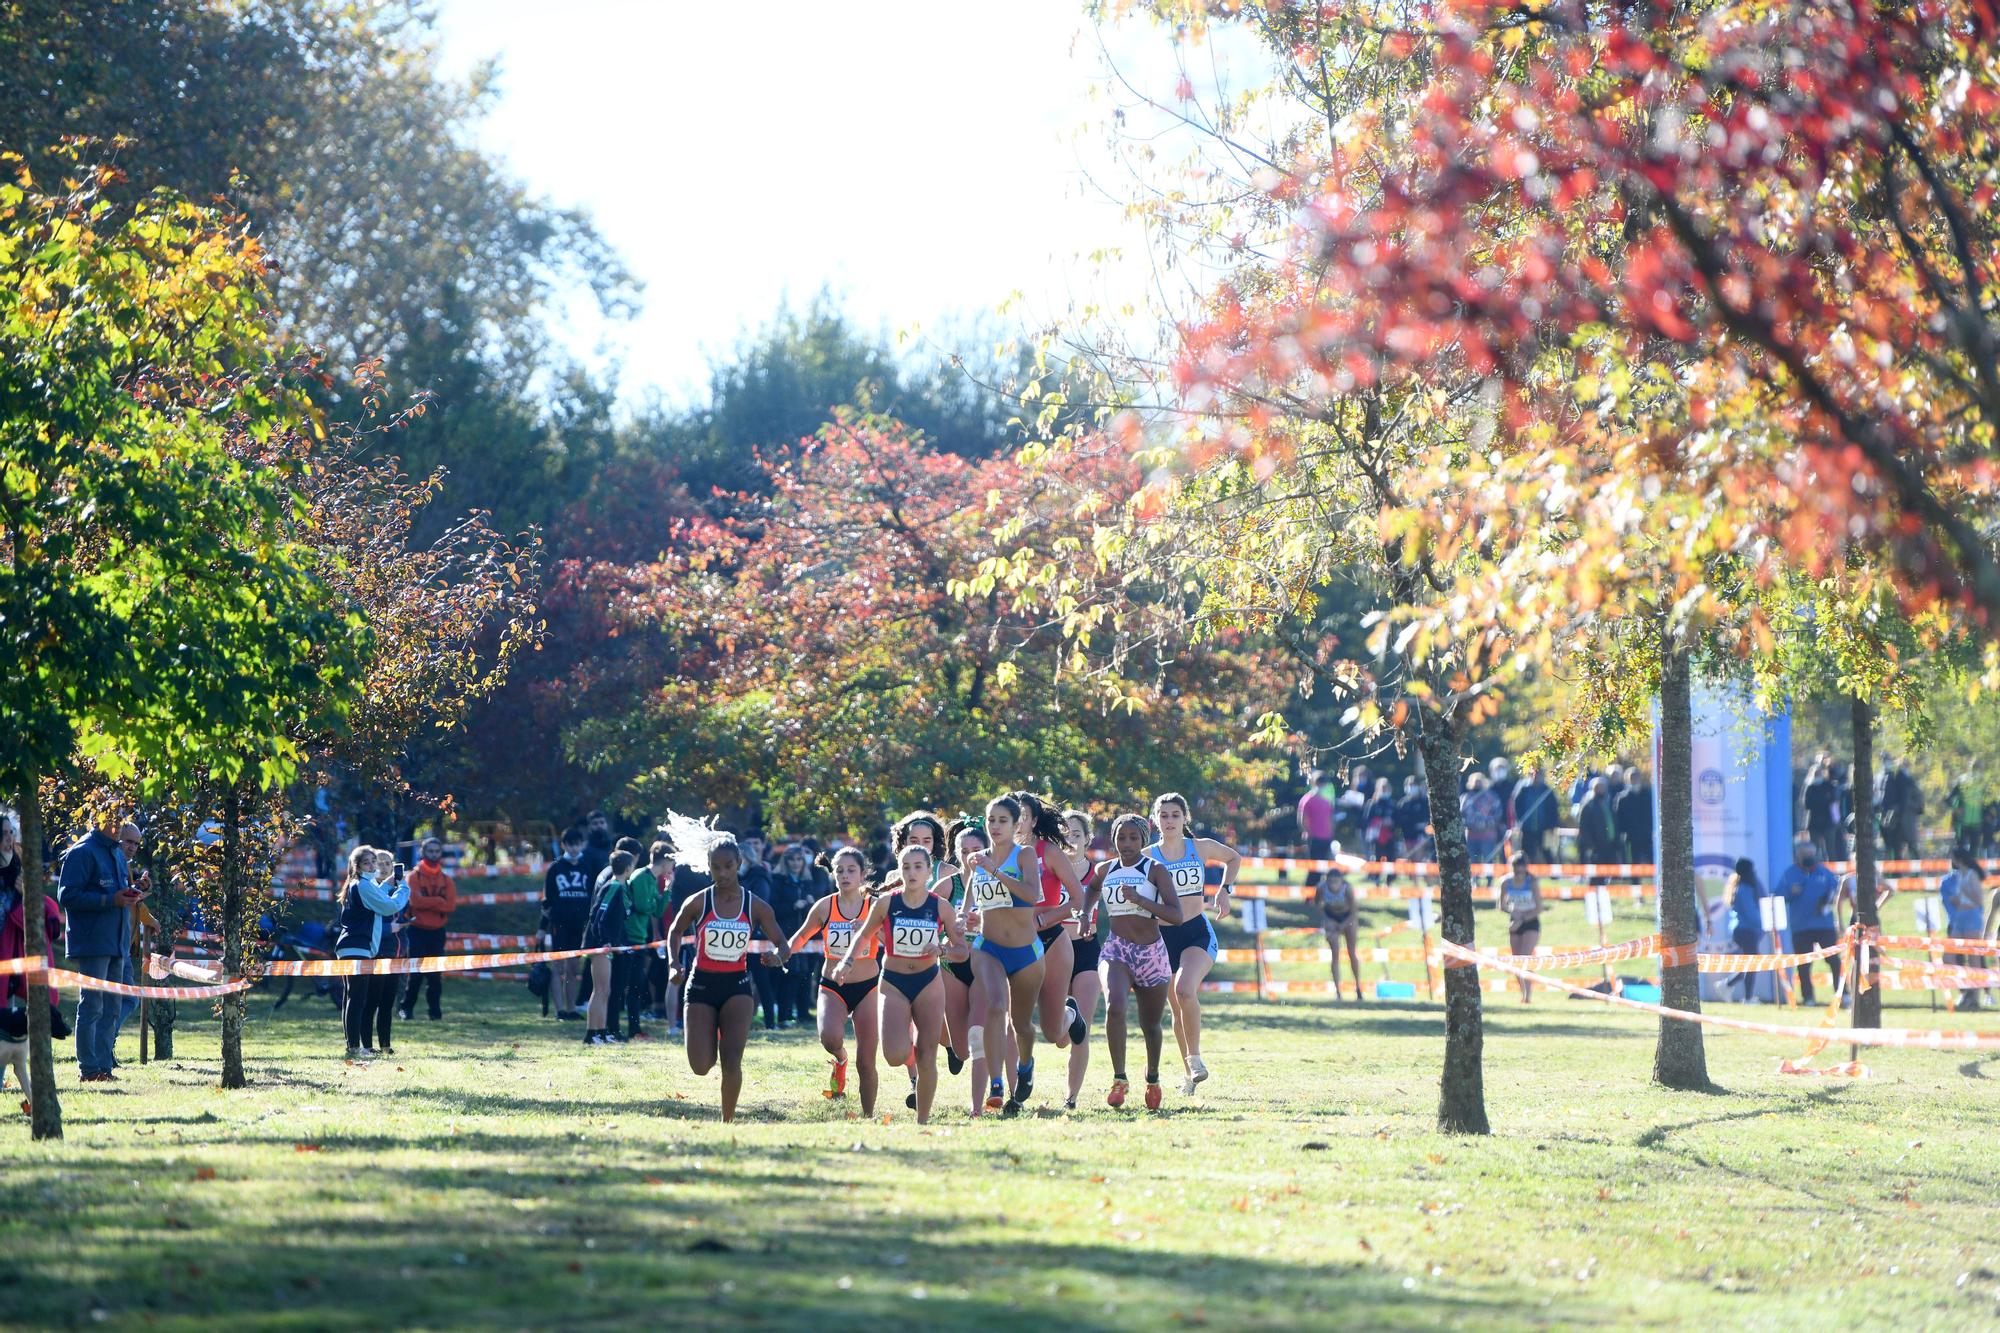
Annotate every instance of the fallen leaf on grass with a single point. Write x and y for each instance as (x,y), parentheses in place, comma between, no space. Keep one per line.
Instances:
(1603,1193)
(205,1173)
(1097,1180)
(1365,1245)
(306,1147)
(654,1180)
(575,1266)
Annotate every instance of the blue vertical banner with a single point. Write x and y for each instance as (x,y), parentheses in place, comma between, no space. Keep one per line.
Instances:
(1742,773)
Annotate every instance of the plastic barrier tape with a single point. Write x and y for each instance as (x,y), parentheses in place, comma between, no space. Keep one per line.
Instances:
(1901,1037)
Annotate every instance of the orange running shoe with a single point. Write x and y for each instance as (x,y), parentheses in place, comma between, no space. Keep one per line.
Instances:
(996,1096)
(836,1086)
(1152,1096)
(1116,1097)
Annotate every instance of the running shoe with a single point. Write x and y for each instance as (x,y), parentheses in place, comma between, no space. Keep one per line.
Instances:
(911,1100)
(1024,1082)
(836,1086)
(1197,1074)
(953,1063)
(1077,1030)
(1153,1096)
(1011,1108)
(996,1096)
(1069,1103)
(1116,1097)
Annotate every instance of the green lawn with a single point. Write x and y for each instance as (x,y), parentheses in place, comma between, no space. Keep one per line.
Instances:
(497,1172)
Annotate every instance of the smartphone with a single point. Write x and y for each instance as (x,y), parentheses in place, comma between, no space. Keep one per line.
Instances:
(399,872)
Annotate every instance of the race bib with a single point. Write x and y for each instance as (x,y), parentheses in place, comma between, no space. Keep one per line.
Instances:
(1520,899)
(914,939)
(725,941)
(839,935)
(988,893)
(1187,880)
(1121,901)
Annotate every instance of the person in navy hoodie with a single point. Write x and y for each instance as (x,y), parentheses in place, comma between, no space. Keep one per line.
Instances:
(369,905)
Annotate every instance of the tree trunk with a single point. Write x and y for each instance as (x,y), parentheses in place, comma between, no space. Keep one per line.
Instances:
(1867,1002)
(232,939)
(1462,1089)
(41,1052)
(1679,1060)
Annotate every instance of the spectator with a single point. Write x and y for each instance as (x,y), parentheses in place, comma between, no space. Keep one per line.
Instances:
(1316,816)
(433,898)
(596,854)
(1351,807)
(97,899)
(1809,889)
(1746,921)
(1579,790)
(369,904)
(1967,800)
(1531,810)
(588,985)
(794,890)
(605,927)
(129,840)
(565,904)
(1381,825)
(1500,777)
(1596,830)
(395,945)
(1964,895)
(1413,818)
(1632,815)
(1480,808)
(14,926)
(648,891)
(1898,806)
(1822,810)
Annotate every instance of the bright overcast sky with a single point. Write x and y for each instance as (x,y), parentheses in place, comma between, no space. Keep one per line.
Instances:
(922,159)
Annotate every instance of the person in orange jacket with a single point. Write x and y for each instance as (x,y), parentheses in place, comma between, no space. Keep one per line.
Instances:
(433,898)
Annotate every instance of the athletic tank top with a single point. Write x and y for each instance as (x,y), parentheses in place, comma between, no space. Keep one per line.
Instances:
(913,931)
(1124,886)
(1054,892)
(1338,896)
(720,943)
(986,891)
(840,932)
(1188,873)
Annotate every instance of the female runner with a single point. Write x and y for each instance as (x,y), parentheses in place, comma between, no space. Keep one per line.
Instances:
(1138,895)
(1083,983)
(1005,889)
(835,918)
(719,999)
(1062,890)
(1521,900)
(912,919)
(1336,905)
(1191,945)
(919,828)
(967,838)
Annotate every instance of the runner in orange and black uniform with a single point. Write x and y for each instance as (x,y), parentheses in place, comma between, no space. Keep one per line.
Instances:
(835,918)
(720,1001)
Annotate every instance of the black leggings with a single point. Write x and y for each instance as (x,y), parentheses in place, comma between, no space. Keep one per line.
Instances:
(1748,939)
(360,1009)
(630,988)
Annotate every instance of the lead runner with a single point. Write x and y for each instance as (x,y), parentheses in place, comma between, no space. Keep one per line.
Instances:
(1191,945)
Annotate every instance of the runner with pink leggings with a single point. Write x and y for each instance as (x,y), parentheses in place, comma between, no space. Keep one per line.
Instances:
(1137,895)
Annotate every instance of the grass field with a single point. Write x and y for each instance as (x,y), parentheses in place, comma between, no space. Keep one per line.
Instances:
(497,1172)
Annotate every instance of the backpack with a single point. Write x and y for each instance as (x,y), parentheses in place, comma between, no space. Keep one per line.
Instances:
(606,923)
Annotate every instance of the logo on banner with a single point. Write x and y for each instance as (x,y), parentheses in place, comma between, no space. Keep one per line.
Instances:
(1709,787)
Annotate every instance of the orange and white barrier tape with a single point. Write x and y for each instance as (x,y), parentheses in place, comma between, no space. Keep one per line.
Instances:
(1429,870)
(313,892)
(1922,1038)
(1936,944)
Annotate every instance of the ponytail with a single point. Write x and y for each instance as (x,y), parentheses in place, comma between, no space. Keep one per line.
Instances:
(1042,817)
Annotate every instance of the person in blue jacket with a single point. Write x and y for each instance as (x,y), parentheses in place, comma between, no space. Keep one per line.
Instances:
(1964,895)
(97,898)
(370,902)
(1809,889)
